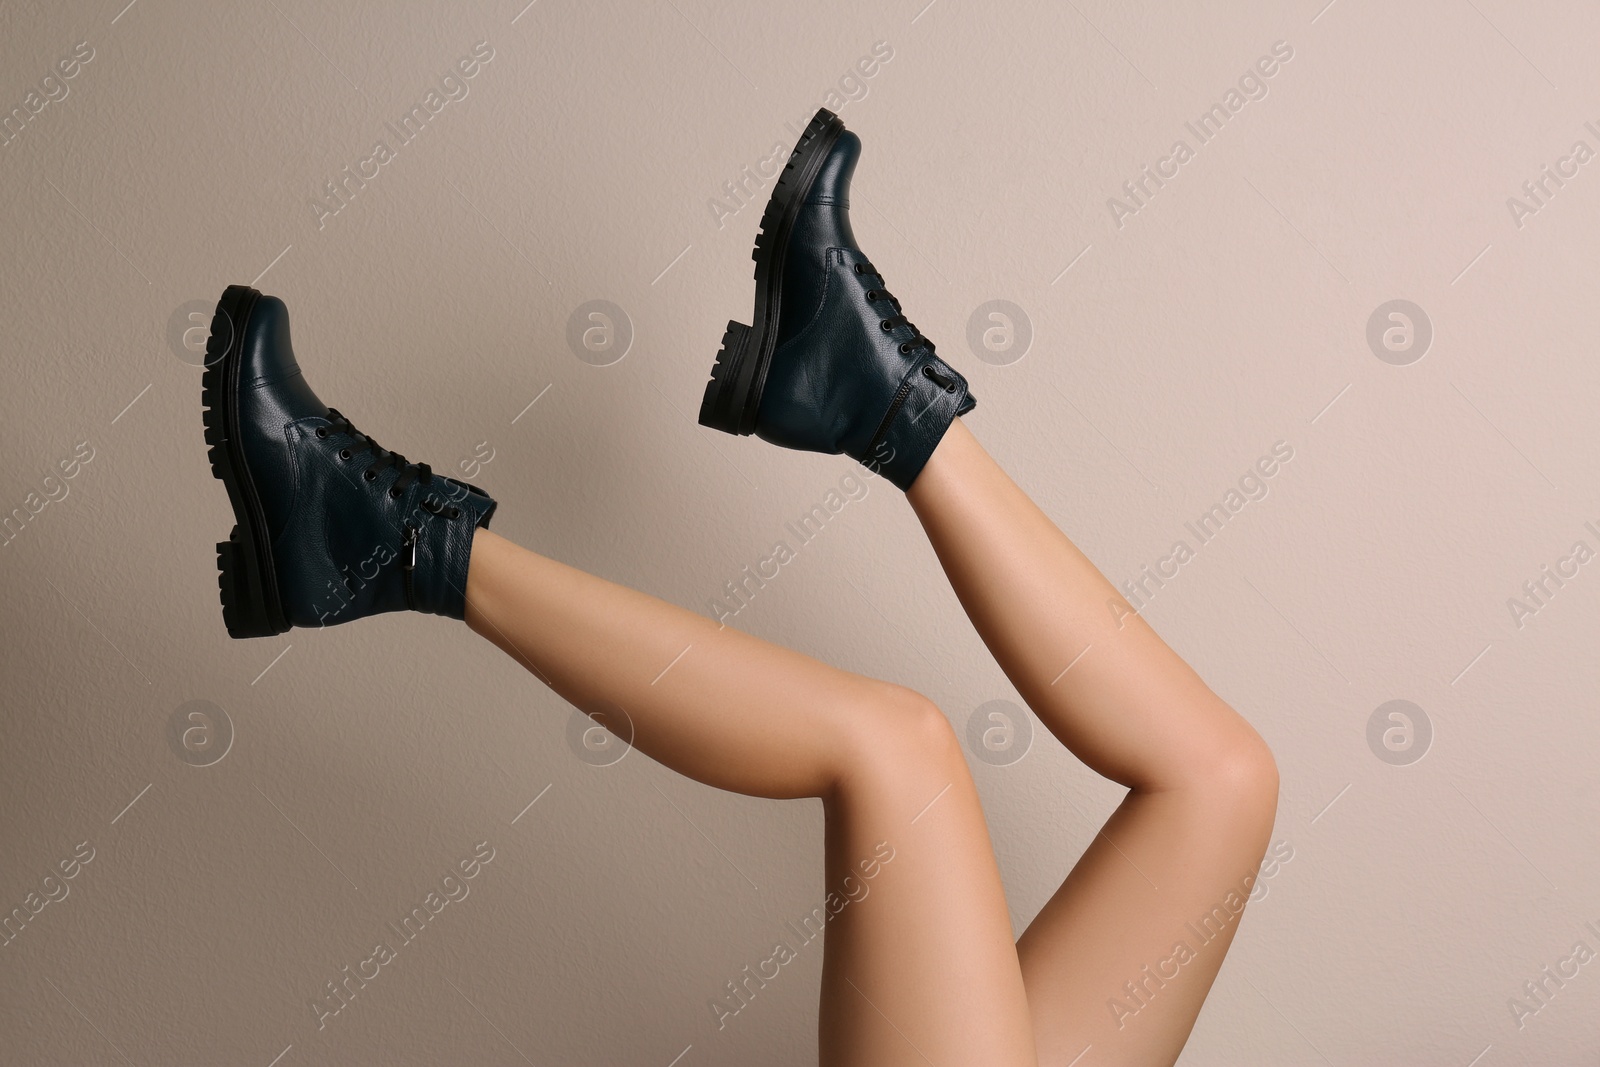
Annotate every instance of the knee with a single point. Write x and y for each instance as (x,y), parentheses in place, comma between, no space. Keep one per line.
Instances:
(896,730)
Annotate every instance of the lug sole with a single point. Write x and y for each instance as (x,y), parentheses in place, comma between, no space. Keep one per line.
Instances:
(739,374)
(735,343)
(246,581)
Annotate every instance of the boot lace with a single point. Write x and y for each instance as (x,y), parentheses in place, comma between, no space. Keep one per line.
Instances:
(897,320)
(383,459)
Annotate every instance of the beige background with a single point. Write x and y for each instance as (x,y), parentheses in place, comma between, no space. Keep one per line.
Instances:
(1227,315)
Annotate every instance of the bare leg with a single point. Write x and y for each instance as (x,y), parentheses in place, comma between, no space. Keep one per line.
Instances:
(1171,864)
(923,967)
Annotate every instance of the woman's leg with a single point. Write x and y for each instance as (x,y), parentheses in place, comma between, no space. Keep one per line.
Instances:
(922,968)
(1122,956)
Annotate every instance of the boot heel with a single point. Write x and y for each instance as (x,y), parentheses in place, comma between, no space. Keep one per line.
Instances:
(243,611)
(723,408)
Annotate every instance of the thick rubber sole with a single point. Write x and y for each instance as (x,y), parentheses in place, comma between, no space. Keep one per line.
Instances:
(246,580)
(740,372)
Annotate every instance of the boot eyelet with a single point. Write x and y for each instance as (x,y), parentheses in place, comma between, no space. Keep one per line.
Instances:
(322,431)
(859,270)
(886,327)
(873,295)
(905,348)
(927,368)
(344,453)
(394,494)
(369,476)
(455,513)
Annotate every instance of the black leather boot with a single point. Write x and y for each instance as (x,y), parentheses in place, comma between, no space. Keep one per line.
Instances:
(829,364)
(330,527)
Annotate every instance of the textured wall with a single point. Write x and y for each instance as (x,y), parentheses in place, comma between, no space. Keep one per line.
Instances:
(1161,343)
